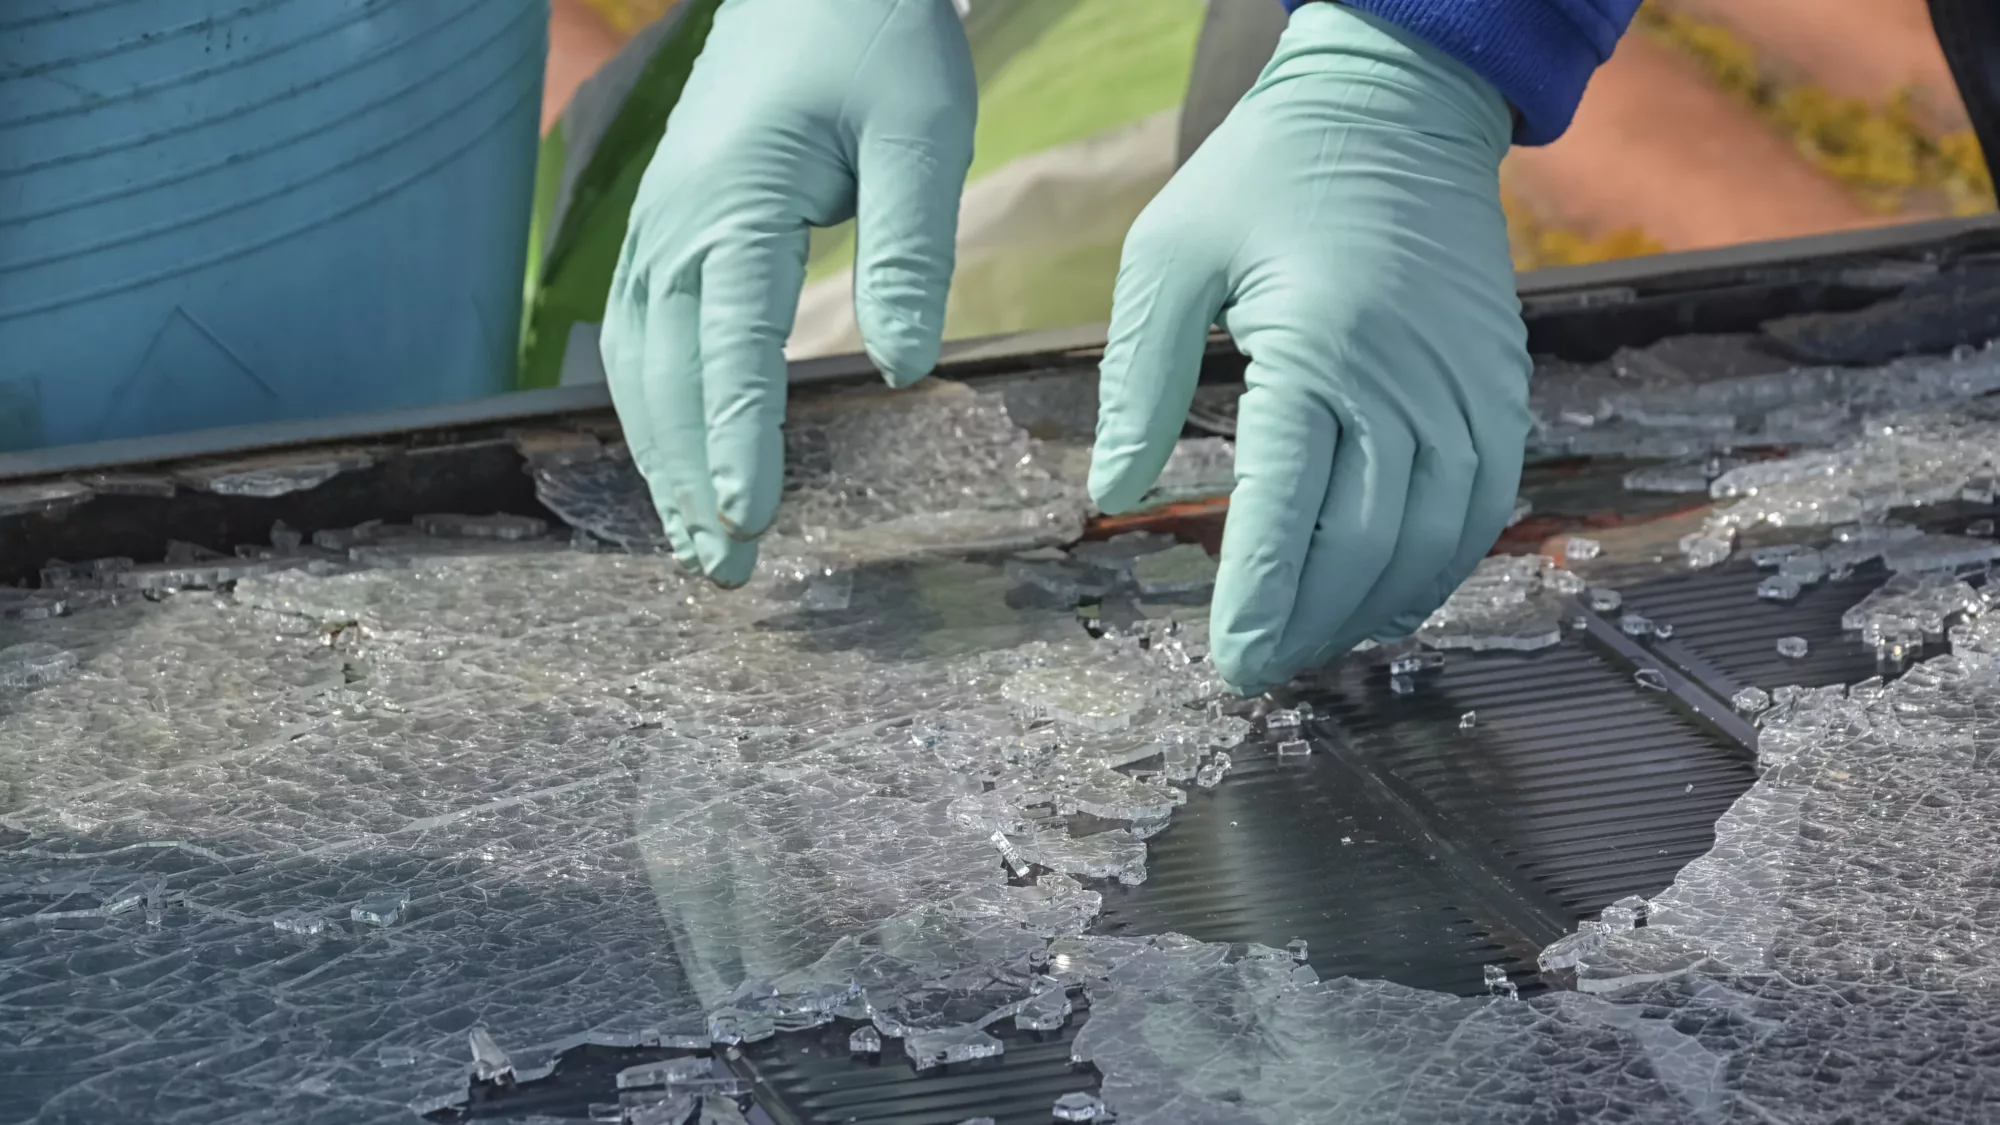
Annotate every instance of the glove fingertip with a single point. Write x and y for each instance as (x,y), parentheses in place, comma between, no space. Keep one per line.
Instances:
(902,329)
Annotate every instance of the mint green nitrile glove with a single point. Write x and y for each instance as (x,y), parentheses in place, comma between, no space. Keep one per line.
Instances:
(798,113)
(1344,224)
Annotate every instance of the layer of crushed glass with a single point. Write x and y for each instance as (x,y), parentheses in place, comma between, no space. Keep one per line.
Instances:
(405,804)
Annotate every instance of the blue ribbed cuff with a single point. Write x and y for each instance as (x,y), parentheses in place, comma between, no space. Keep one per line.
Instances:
(1539,54)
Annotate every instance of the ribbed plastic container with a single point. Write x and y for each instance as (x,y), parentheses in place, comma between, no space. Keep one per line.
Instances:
(216,212)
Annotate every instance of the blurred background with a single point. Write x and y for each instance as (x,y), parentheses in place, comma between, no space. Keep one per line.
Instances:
(1718,121)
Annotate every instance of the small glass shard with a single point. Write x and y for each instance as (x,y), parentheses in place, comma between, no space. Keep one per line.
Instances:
(1079,1106)
(1635,625)
(500,526)
(1297,948)
(1622,916)
(1497,983)
(1807,568)
(1778,588)
(945,1046)
(1283,718)
(865,1041)
(1578,549)
(1792,648)
(1184,570)
(828,592)
(300,923)
(1046,1012)
(1604,601)
(381,908)
(1213,771)
(1750,700)
(1294,747)
(1652,679)
(1009,854)
(1402,685)
(489,1062)
(1468,721)
(669,1072)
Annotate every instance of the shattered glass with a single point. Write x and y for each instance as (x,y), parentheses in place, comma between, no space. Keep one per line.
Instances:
(1897,461)
(1196,469)
(275,475)
(1511,602)
(375,796)
(1686,400)
(316,836)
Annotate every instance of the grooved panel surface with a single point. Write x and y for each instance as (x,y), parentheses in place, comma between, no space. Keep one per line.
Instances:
(1574,786)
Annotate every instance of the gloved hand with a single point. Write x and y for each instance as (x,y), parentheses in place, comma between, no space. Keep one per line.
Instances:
(798,112)
(1343,223)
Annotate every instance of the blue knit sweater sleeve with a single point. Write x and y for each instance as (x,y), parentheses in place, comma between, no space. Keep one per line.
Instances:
(1538,53)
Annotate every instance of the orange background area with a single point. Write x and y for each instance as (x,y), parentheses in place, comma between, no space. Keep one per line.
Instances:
(1664,153)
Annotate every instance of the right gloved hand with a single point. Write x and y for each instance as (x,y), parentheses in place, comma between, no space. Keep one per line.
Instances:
(798,113)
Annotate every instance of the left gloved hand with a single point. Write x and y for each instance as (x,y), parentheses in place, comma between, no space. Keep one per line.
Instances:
(1344,225)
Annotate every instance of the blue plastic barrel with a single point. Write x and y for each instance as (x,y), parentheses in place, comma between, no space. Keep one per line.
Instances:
(216,212)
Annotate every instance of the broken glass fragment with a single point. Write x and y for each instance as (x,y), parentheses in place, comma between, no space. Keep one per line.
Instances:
(1652,679)
(1774,556)
(381,908)
(45,498)
(1497,983)
(729,1026)
(489,1062)
(1922,604)
(604,496)
(1184,570)
(1510,602)
(1079,1106)
(1635,625)
(1570,951)
(1297,948)
(1468,721)
(1283,718)
(1792,648)
(1750,700)
(1664,630)
(1090,698)
(499,526)
(1604,601)
(1067,581)
(1623,914)
(1047,1011)
(865,1041)
(1213,771)
(33,663)
(828,592)
(670,1072)
(1778,588)
(300,923)
(944,1046)
(277,475)
(1402,685)
(1197,468)
(673,1109)
(1293,747)
(1705,550)
(1578,549)
(1017,864)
